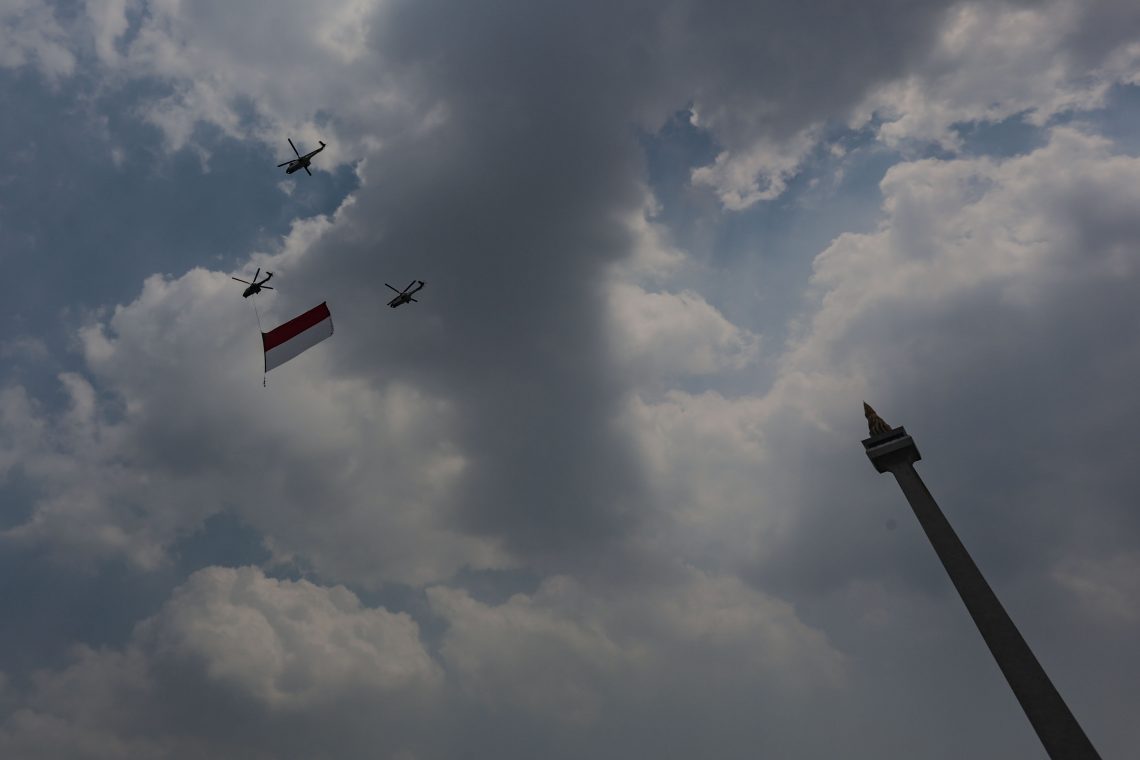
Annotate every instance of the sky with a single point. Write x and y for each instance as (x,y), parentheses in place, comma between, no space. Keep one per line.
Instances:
(601,492)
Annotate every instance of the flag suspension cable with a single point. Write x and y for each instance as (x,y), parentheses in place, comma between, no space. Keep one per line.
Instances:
(264,374)
(256,315)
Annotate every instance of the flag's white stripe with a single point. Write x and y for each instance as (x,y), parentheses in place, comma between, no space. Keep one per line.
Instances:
(278,355)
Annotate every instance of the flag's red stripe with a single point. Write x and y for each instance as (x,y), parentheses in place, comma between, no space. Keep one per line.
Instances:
(295,326)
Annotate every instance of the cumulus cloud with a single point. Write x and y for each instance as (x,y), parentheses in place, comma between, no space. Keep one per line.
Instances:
(983,274)
(677,333)
(267,660)
(659,334)
(1022,230)
(978,312)
(701,452)
(352,73)
(288,645)
(30,34)
(987,62)
(253,75)
(108,23)
(535,411)
(760,172)
(271,652)
(991,62)
(135,462)
(568,652)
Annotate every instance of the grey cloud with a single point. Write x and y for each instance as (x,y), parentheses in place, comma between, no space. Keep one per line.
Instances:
(982,64)
(1004,347)
(994,62)
(30,35)
(511,209)
(988,334)
(235,663)
(179,430)
(517,192)
(502,166)
(1104,26)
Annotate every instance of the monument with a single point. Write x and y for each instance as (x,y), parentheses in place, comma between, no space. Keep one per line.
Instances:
(892,450)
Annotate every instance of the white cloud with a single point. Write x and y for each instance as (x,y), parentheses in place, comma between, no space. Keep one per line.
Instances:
(653,257)
(759,172)
(983,277)
(169,425)
(285,644)
(290,649)
(703,454)
(662,334)
(569,652)
(1024,229)
(30,34)
(109,23)
(988,62)
(289,66)
(991,62)
(280,658)
(676,333)
(524,656)
(992,312)
(251,74)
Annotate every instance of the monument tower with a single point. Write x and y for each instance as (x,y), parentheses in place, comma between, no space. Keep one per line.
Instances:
(892,450)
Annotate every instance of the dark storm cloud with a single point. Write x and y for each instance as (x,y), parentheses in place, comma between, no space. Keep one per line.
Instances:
(513,209)
(511,233)
(512,201)
(770,69)
(1104,26)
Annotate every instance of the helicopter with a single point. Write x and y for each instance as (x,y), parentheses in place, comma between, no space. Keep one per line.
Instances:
(405,295)
(300,162)
(255,287)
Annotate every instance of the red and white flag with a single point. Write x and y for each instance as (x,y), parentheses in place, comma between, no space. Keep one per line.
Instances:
(284,342)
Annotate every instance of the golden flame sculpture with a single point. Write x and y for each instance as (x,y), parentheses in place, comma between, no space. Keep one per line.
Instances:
(875,423)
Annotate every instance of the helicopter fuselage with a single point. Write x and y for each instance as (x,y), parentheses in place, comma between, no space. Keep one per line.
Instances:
(405,296)
(302,162)
(253,288)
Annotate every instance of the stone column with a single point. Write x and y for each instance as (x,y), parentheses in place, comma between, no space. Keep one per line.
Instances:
(892,450)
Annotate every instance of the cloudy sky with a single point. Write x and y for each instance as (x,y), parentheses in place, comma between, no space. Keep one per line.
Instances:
(601,492)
